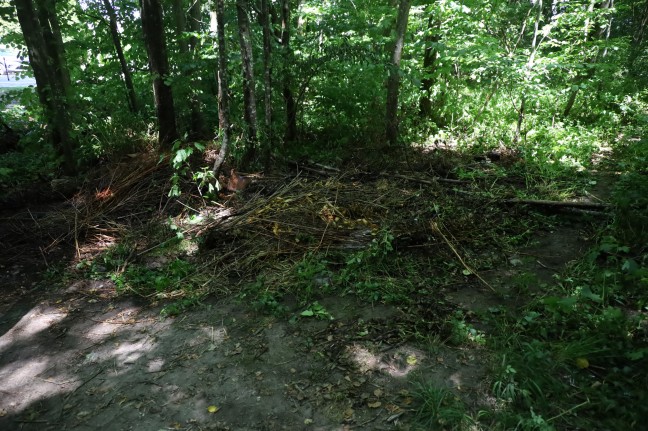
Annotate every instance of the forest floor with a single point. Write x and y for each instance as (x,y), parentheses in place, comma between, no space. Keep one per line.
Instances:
(337,322)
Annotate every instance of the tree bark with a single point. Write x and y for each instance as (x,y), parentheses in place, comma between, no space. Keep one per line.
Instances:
(54,43)
(223,89)
(289,99)
(429,66)
(393,81)
(267,79)
(126,73)
(48,72)
(249,93)
(187,49)
(180,25)
(195,26)
(195,21)
(153,27)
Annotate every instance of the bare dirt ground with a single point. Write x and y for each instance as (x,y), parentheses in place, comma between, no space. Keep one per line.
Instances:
(81,358)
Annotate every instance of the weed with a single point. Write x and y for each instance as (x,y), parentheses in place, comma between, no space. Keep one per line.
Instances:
(463,332)
(203,178)
(260,298)
(312,276)
(180,306)
(439,408)
(316,310)
(146,281)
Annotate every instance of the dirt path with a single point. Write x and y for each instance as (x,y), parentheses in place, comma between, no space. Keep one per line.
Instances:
(81,358)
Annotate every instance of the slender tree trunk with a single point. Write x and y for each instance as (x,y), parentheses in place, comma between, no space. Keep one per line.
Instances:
(126,73)
(289,99)
(187,49)
(267,79)
(600,33)
(520,120)
(48,72)
(153,27)
(535,44)
(429,66)
(223,88)
(195,22)
(180,25)
(249,93)
(195,26)
(640,19)
(393,81)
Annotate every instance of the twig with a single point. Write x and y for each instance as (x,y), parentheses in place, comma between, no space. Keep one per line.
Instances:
(545,266)
(76,235)
(427,182)
(43,254)
(435,228)
(84,383)
(32,217)
(370,420)
(584,403)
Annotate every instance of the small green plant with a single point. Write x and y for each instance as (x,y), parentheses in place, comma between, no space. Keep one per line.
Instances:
(367,272)
(506,388)
(313,276)
(463,332)
(180,306)
(258,295)
(203,178)
(316,310)
(146,281)
(439,408)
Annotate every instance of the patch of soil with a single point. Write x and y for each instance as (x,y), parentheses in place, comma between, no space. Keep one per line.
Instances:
(84,360)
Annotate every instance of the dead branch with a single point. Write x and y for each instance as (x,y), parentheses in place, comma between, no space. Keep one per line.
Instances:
(562,204)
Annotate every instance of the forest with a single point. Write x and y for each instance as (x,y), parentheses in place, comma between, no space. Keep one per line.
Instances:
(327,215)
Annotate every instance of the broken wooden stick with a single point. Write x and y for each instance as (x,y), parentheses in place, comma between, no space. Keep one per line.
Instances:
(564,204)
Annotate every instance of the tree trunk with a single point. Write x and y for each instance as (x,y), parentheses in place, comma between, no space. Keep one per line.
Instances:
(393,81)
(180,25)
(153,27)
(267,80)
(640,23)
(195,21)
(223,88)
(520,120)
(48,72)
(249,93)
(535,44)
(291,107)
(599,32)
(429,66)
(188,49)
(126,73)
(195,26)
(54,43)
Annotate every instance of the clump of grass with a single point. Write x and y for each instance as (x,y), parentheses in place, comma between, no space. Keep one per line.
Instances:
(439,408)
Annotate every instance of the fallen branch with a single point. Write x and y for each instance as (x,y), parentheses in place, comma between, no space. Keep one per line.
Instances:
(561,204)
(431,182)
(435,228)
